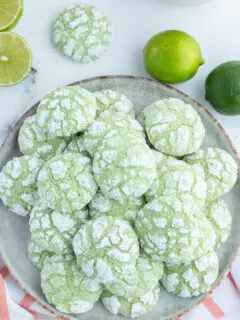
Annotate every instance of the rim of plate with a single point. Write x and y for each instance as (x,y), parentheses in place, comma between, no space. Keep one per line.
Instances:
(61,317)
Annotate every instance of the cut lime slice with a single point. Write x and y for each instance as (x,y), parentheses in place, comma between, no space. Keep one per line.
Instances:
(15,58)
(10,13)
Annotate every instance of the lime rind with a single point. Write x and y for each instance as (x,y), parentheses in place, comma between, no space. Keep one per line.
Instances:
(16,17)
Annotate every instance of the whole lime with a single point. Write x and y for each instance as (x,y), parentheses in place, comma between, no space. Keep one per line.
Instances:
(223,87)
(172,56)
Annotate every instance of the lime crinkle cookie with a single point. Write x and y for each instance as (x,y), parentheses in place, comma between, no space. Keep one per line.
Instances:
(173,127)
(66,111)
(168,235)
(124,170)
(138,280)
(113,101)
(54,231)
(107,124)
(18,184)
(67,287)
(217,167)
(33,140)
(101,205)
(191,279)
(66,182)
(37,255)
(131,308)
(179,179)
(218,214)
(82,33)
(105,247)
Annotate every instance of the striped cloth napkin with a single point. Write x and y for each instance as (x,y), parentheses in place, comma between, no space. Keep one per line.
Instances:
(224,303)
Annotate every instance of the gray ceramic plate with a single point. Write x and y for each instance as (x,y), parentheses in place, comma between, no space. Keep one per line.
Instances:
(14,232)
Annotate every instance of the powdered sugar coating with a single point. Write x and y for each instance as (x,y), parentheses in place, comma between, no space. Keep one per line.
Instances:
(124,170)
(191,279)
(67,287)
(107,124)
(66,111)
(105,248)
(33,140)
(113,101)
(66,182)
(54,231)
(37,255)
(131,308)
(138,280)
(77,145)
(102,205)
(218,214)
(179,179)
(18,184)
(167,234)
(217,167)
(173,127)
(82,33)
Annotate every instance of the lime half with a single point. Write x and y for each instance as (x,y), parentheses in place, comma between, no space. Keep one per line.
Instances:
(10,13)
(15,58)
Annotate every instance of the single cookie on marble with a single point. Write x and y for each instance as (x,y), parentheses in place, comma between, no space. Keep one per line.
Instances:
(33,140)
(218,168)
(173,127)
(82,33)
(139,279)
(105,247)
(179,179)
(102,205)
(66,183)
(77,145)
(191,279)
(67,287)
(54,231)
(18,184)
(166,234)
(218,214)
(107,124)
(124,167)
(113,101)
(37,255)
(65,111)
(132,308)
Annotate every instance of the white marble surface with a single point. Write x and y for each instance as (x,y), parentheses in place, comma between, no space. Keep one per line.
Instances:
(215,26)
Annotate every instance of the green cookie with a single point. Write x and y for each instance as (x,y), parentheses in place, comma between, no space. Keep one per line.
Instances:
(82,33)
(77,145)
(191,279)
(66,111)
(124,168)
(113,101)
(173,127)
(33,140)
(132,308)
(67,287)
(66,182)
(18,184)
(217,167)
(54,231)
(105,247)
(167,234)
(181,180)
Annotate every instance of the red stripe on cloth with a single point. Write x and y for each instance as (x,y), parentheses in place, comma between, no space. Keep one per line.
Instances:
(4,314)
(213,308)
(25,303)
(177,318)
(4,272)
(230,277)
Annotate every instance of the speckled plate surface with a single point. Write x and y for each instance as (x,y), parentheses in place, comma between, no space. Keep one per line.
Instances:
(14,231)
